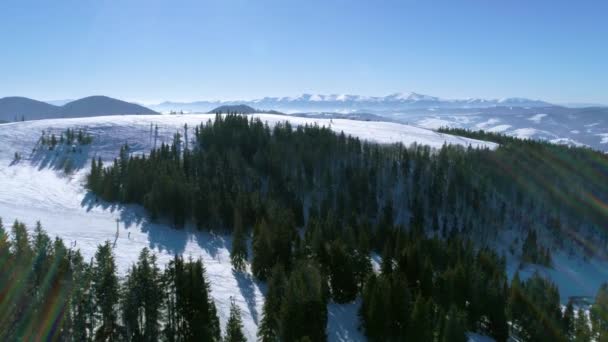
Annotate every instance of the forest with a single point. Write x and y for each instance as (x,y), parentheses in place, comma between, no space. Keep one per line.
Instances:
(426,290)
(316,204)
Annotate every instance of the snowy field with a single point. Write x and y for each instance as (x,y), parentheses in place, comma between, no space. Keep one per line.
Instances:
(36,188)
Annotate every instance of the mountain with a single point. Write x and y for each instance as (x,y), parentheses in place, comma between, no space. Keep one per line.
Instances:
(22,108)
(350,103)
(101,105)
(240,109)
(18,108)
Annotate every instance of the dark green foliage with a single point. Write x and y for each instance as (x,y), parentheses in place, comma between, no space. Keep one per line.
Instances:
(50,293)
(141,301)
(599,314)
(268,330)
(350,198)
(582,331)
(192,315)
(238,253)
(70,138)
(106,293)
(453,329)
(342,276)
(533,253)
(535,310)
(234,326)
(303,312)
(386,308)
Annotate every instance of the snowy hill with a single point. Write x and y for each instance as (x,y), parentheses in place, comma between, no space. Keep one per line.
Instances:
(36,188)
(21,108)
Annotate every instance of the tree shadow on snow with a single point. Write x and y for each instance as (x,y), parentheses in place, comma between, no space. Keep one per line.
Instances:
(62,158)
(247,287)
(161,235)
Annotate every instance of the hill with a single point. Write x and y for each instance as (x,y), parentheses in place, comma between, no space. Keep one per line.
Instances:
(18,108)
(22,108)
(101,105)
(241,109)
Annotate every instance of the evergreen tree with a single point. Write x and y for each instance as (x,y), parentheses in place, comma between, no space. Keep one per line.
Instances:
(342,273)
(599,314)
(303,309)
(582,332)
(141,302)
(568,321)
(454,326)
(234,326)
(106,293)
(268,330)
(238,254)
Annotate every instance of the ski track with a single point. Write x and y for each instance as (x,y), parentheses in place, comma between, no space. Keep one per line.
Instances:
(36,189)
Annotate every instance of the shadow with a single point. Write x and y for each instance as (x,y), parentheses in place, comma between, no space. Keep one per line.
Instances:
(162,235)
(246,285)
(212,243)
(63,157)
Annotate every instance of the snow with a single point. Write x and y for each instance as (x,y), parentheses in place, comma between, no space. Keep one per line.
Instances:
(499,128)
(604,137)
(343,322)
(434,123)
(573,276)
(524,133)
(537,118)
(487,123)
(567,141)
(475,337)
(35,188)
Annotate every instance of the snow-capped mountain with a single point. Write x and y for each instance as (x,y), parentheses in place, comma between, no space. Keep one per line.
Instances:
(349,103)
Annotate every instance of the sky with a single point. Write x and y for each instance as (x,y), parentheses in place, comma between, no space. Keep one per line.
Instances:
(151,51)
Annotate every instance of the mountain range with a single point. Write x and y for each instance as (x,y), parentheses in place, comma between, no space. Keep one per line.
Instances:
(22,108)
(350,103)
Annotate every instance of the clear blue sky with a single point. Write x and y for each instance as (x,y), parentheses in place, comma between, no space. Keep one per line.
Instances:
(241,49)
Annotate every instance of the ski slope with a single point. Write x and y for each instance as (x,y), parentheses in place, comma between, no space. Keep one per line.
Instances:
(36,188)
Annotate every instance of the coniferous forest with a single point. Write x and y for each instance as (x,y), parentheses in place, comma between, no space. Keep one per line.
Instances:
(317,205)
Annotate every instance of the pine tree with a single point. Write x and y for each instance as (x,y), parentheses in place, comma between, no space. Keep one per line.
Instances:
(106,293)
(238,254)
(268,330)
(192,315)
(421,322)
(141,300)
(453,326)
(303,309)
(582,331)
(599,314)
(342,273)
(568,320)
(234,326)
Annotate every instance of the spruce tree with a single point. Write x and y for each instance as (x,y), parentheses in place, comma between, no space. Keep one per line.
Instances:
(238,254)
(106,293)
(141,302)
(582,331)
(234,326)
(303,309)
(453,326)
(268,330)
(599,313)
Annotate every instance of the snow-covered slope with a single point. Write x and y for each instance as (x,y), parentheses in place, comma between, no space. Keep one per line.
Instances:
(36,188)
